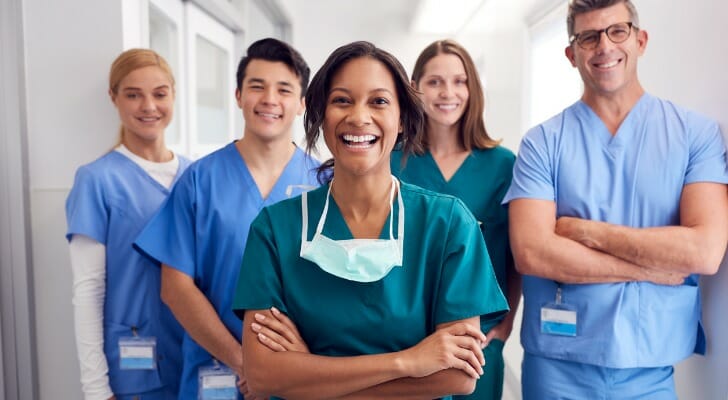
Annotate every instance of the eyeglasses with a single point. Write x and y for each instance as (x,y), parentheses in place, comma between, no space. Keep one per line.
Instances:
(617,33)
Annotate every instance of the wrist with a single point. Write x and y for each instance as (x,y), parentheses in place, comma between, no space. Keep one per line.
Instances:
(401,365)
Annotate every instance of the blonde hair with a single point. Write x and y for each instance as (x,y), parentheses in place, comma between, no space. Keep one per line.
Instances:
(130,61)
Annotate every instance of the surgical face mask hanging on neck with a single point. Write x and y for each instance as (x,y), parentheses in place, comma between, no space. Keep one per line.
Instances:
(360,260)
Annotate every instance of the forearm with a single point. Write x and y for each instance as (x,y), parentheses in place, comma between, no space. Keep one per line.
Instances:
(309,376)
(199,318)
(88,263)
(670,248)
(539,251)
(439,384)
(514,289)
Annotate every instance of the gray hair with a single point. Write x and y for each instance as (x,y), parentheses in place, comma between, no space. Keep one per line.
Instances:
(577,7)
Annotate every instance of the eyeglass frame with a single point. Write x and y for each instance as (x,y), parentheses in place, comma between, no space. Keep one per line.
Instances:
(575,37)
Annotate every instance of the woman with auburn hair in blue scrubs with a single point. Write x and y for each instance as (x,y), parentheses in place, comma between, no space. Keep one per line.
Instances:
(128,341)
(462,160)
(374,275)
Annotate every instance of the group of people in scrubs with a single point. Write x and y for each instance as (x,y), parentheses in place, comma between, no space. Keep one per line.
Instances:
(393,269)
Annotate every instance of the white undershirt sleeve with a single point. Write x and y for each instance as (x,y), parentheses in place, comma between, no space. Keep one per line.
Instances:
(88,262)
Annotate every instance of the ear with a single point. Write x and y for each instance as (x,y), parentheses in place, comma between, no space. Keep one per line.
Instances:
(642,38)
(238,98)
(414,84)
(301,106)
(112,96)
(569,53)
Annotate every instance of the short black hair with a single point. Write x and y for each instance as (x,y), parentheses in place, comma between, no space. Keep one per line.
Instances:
(270,49)
(411,109)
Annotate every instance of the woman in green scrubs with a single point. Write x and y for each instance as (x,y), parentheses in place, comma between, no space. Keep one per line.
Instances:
(462,160)
(376,275)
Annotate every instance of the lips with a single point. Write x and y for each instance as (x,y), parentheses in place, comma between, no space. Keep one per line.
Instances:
(149,119)
(447,107)
(359,140)
(607,65)
(268,115)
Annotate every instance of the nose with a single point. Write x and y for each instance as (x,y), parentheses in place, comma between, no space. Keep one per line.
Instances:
(445,90)
(359,115)
(603,41)
(269,96)
(148,105)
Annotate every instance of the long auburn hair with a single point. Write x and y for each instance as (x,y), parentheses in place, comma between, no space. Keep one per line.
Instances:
(471,130)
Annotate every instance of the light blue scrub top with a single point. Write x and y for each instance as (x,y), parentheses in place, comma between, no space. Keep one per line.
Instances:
(111,200)
(202,228)
(635,179)
(445,263)
(480,182)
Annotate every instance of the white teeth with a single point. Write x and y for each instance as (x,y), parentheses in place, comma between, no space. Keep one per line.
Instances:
(608,65)
(359,139)
(447,107)
(267,115)
(149,119)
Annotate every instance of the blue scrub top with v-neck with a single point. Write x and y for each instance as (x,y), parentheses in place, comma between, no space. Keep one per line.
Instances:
(111,200)
(202,228)
(634,178)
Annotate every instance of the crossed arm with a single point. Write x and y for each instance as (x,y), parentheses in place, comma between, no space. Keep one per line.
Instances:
(446,362)
(573,250)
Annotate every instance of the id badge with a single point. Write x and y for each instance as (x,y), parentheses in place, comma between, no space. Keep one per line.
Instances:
(558,319)
(217,382)
(137,352)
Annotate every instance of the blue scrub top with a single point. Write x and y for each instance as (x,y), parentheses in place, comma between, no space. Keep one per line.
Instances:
(480,182)
(445,265)
(202,228)
(634,178)
(111,200)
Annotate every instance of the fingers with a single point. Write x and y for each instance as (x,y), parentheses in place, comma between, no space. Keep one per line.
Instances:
(282,318)
(469,350)
(465,329)
(275,325)
(270,338)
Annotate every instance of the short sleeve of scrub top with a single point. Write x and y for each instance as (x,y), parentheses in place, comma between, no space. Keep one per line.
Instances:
(169,237)
(86,207)
(532,172)
(707,158)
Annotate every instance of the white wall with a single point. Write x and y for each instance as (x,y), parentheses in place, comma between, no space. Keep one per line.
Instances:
(685,62)
(69,46)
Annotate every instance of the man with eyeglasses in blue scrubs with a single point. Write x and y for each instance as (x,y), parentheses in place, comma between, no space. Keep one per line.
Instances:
(617,205)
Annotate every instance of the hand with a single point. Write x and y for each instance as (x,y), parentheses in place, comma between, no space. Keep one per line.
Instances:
(247,394)
(501,331)
(278,333)
(457,346)
(112,398)
(661,277)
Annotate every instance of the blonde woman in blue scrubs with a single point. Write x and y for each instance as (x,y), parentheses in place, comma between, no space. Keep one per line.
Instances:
(376,275)
(462,160)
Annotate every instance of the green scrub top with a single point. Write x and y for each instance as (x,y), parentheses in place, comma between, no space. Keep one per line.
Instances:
(480,182)
(445,263)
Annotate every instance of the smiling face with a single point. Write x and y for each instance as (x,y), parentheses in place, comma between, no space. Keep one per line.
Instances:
(611,68)
(145,101)
(270,97)
(362,117)
(444,87)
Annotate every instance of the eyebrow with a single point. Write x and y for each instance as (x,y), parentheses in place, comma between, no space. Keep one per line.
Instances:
(259,80)
(133,88)
(349,91)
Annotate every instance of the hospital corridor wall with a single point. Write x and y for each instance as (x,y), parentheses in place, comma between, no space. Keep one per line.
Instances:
(55,115)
